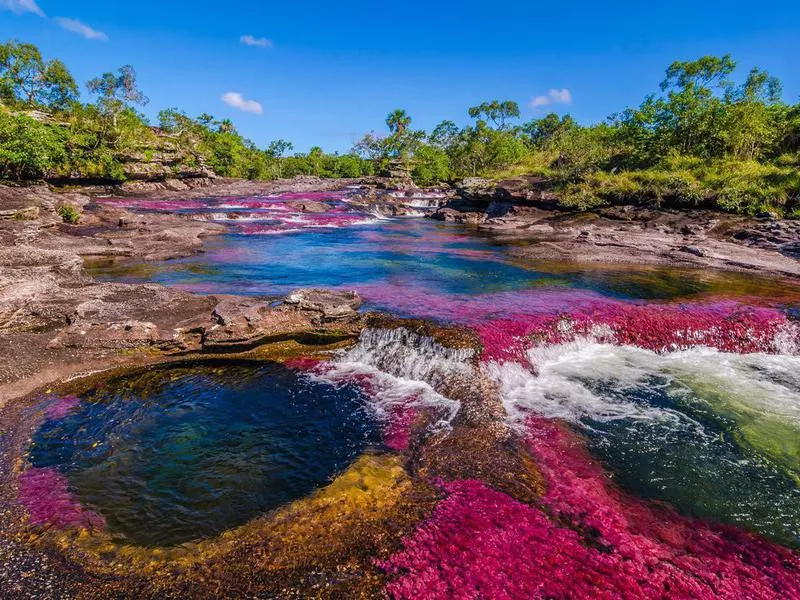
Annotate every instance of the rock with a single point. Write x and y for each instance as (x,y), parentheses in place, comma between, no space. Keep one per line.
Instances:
(525,189)
(476,188)
(453,215)
(331,304)
(309,206)
(241,323)
(113,336)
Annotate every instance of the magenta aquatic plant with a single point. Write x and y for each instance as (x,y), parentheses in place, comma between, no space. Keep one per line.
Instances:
(726,326)
(397,431)
(587,540)
(46,497)
(61,407)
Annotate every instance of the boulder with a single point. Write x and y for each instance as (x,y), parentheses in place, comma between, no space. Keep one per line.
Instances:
(453,215)
(476,188)
(331,304)
(241,323)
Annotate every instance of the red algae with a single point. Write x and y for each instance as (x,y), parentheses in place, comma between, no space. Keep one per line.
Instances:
(588,540)
(44,493)
(61,407)
(397,432)
(726,326)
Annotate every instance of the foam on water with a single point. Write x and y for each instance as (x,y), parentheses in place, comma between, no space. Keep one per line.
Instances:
(567,375)
(716,434)
(400,370)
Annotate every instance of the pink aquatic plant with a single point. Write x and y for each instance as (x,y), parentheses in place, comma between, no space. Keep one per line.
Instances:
(726,326)
(61,407)
(587,540)
(154,205)
(44,493)
(397,431)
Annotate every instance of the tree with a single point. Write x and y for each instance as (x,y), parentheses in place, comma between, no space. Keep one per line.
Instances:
(28,149)
(543,133)
(444,135)
(226,126)
(690,115)
(497,112)
(398,121)
(277,148)
(750,126)
(371,146)
(205,120)
(117,92)
(26,77)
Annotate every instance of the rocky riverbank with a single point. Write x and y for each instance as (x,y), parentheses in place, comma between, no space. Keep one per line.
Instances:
(524,213)
(52,315)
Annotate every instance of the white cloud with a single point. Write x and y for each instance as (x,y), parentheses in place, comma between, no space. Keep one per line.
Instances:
(236,100)
(22,6)
(80,28)
(261,42)
(554,96)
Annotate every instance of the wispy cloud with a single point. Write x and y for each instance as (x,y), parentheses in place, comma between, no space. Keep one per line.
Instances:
(261,42)
(80,28)
(236,100)
(22,6)
(554,96)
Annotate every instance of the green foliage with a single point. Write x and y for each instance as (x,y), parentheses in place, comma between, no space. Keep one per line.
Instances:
(431,165)
(27,79)
(69,214)
(28,149)
(499,113)
(547,132)
(117,92)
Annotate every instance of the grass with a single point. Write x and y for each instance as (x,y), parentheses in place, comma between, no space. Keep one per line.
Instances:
(742,187)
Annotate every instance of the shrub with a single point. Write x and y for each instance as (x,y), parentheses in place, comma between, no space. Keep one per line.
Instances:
(431,165)
(69,214)
(28,149)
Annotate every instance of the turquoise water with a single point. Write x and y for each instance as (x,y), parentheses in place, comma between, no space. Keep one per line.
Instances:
(392,260)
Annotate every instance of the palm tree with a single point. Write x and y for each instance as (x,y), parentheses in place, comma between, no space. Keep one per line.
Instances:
(398,121)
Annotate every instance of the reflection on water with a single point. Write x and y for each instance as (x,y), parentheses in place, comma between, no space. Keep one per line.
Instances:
(413,258)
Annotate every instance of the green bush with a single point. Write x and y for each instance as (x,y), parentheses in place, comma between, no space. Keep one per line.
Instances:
(69,214)
(29,149)
(431,165)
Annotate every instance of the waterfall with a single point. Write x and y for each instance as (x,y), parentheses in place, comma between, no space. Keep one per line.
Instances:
(401,369)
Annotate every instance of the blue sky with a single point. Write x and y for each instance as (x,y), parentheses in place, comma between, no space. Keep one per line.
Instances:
(332,71)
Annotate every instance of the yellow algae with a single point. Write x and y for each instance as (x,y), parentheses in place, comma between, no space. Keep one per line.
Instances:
(339,529)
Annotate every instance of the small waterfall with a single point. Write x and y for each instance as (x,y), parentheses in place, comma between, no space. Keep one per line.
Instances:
(403,353)
(402,369)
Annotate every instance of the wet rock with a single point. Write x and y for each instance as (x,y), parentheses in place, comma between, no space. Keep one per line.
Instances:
(330,303)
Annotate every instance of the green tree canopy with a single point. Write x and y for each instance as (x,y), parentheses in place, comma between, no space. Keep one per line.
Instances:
(496,112)
(117,92)
(27,78)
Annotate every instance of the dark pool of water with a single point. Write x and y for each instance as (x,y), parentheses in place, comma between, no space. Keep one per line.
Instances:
(181,453)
